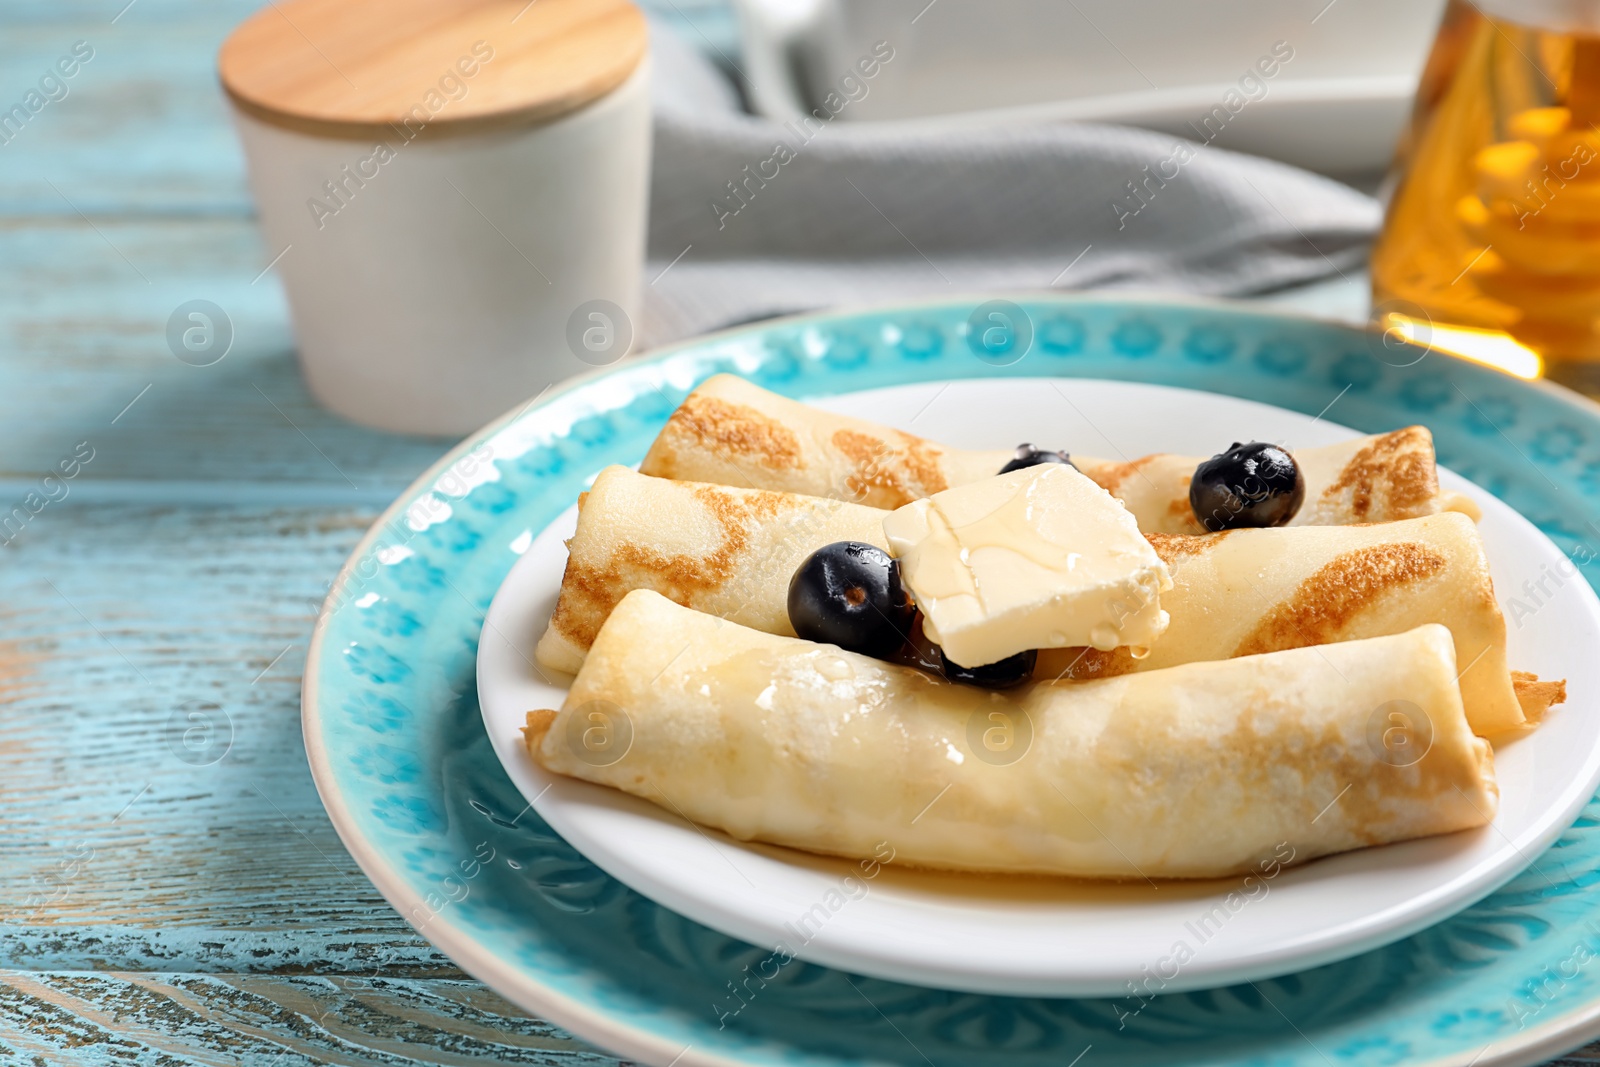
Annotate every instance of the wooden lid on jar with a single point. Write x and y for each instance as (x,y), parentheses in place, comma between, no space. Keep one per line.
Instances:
(361,68)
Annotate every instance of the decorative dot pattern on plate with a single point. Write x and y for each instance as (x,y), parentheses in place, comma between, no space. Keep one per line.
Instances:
(1209,344)
(1061,335)
(415,788)
(1136,337)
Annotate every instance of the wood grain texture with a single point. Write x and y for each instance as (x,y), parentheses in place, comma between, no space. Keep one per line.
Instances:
(153,660)
(118,1017)
(347,68)
(85,333)
(142,129)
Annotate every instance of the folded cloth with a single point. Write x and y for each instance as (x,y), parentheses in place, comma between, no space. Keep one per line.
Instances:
(751,218)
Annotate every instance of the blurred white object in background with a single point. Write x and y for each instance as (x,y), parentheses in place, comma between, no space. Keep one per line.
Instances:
(1342,78)
(455,192)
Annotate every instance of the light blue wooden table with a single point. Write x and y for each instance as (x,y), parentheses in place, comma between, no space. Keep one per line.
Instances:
(166,896)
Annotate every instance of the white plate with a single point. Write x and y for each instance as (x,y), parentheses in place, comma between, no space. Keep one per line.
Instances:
(1058,937)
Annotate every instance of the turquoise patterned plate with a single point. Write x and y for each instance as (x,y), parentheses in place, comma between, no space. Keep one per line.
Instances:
(400,757)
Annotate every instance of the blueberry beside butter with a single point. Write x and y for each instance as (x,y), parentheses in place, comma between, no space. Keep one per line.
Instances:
(1006,674)
(849,594)
(1250,485)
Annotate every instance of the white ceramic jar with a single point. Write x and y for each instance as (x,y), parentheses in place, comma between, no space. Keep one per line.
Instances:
(455,191)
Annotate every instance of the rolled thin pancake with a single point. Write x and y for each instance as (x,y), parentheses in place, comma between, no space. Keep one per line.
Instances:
(1250,591)
(1196,771)
(731,552)
(725,551)
(735,433)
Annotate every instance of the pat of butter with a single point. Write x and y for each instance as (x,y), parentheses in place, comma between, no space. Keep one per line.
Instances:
(1038,558)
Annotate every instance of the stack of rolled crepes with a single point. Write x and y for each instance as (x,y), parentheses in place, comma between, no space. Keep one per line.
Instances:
(1360,646)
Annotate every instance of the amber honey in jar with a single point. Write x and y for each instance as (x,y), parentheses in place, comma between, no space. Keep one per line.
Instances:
(1491,247)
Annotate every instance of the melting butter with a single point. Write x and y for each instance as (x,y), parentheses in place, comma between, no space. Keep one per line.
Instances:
(1037,558)
(1012,527)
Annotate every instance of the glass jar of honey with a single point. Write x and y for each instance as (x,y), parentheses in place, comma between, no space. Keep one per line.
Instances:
(1491,245)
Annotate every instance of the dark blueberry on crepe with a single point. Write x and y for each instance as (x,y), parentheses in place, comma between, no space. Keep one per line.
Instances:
(1028,456)
(849,594)
(1250,485)
(1006,674)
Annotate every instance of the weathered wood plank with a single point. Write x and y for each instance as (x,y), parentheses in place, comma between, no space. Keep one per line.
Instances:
(84,334)
(76,1019)
(142,128)
(128,842)
(109,1017)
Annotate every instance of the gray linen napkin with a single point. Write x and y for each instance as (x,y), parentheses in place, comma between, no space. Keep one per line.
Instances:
(751,218)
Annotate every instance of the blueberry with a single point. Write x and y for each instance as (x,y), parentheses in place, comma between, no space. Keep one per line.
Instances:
(849,594)
(1251,485)
(1006,674)
(1028,456)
